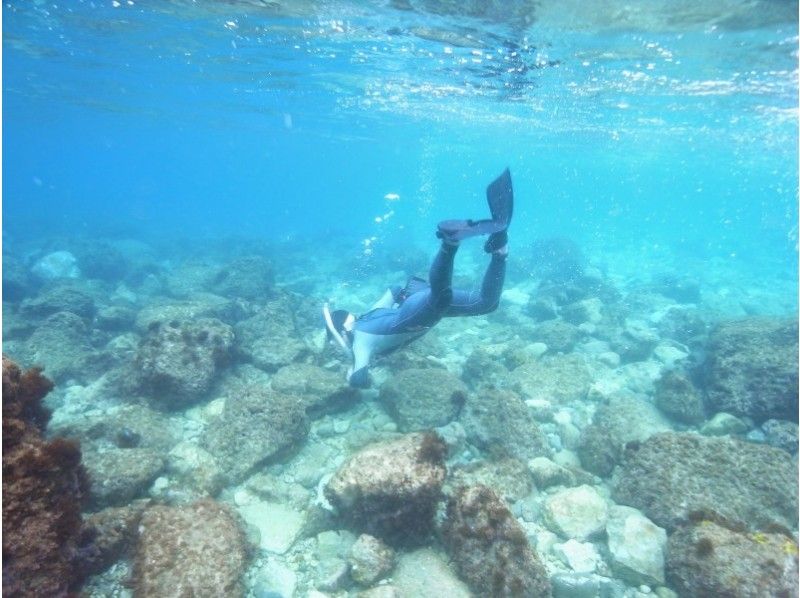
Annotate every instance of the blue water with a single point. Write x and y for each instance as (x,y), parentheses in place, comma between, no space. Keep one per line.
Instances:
(171,119)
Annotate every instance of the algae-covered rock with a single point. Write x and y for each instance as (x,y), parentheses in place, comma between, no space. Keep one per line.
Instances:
(177,361)
(623,419)
(424,573)
(390,489)
(508,477)
(558,335)
(64,297)
(781,434)
(500,422)
(707,559)
(420,399)
(61,344)
(752,368)
(489,548)
(672,475)
(556,378)
(370,560)
(193,550)
(678,398)
(636,545)
(256,424)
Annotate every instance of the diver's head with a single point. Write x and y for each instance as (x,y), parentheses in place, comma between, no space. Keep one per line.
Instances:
(339,326)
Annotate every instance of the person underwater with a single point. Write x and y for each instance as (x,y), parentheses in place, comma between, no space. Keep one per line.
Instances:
(403,315)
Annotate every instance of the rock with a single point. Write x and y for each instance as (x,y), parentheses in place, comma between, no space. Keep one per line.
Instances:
(637,546)
(176,362)
(677,397)
(723,424)
(120,475)
(489,548)
(115,318)
(483,367)
(508,477)
(635,342)
(59,264)
(278,525)
(193,550)
(752,368)
(256,424)
(99,259)
(275,579)
(622,420)
(707,559)
(323,391)
(269,338)
(559,336)
(191,277)
(61,345)
(421,399)
(250,277)
(682,290)
(587,310)
(578,513)
(384,591)
(557,378)
(390,489)
(781,434)
(370,560)
(194,469)
(685,325)
(542,309)
(581,557)
(43,485)
(546,473)
(425,573)
(61,298)
(114,532)
(499,421)
(198,306)
(583,585)
(670,476)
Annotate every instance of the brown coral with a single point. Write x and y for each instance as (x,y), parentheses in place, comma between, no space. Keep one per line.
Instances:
(43,486)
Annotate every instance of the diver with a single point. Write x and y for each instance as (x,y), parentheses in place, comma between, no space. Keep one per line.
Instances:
(405,314)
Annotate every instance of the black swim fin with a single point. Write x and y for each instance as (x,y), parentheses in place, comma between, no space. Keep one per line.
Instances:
(500,196)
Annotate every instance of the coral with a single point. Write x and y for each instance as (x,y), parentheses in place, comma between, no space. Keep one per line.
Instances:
(43,486)
(499,421)
(176,361)
(752,368)
(419,399)
(490,548)
(708,559)
(256,424)
(671,475)
(193,550)
(390,489)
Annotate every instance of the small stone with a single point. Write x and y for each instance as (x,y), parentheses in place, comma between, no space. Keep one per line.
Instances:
(340,426)
(637,546)
(723,424)
(546,473)
(275,578)
(576,512)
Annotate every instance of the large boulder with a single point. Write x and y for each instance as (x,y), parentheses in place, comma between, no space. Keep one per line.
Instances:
(390,489)
(193,550)
(120,475)
(61,344)
(421,399)
(63,297)
(558,335)
(678,398)
(708,559)
(672,476)
(499,421)
(752,368)
(621,420)
(578,512)
(490,548)
(177,361)
(256,424)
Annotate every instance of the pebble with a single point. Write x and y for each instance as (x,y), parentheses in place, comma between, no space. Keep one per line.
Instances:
(340,426)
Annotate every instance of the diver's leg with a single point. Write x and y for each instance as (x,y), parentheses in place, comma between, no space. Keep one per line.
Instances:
(440,276)
(472,303)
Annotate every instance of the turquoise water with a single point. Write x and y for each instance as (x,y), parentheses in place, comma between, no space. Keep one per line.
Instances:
(170,138)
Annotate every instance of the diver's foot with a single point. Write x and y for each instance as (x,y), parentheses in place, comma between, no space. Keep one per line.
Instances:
(496,241)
